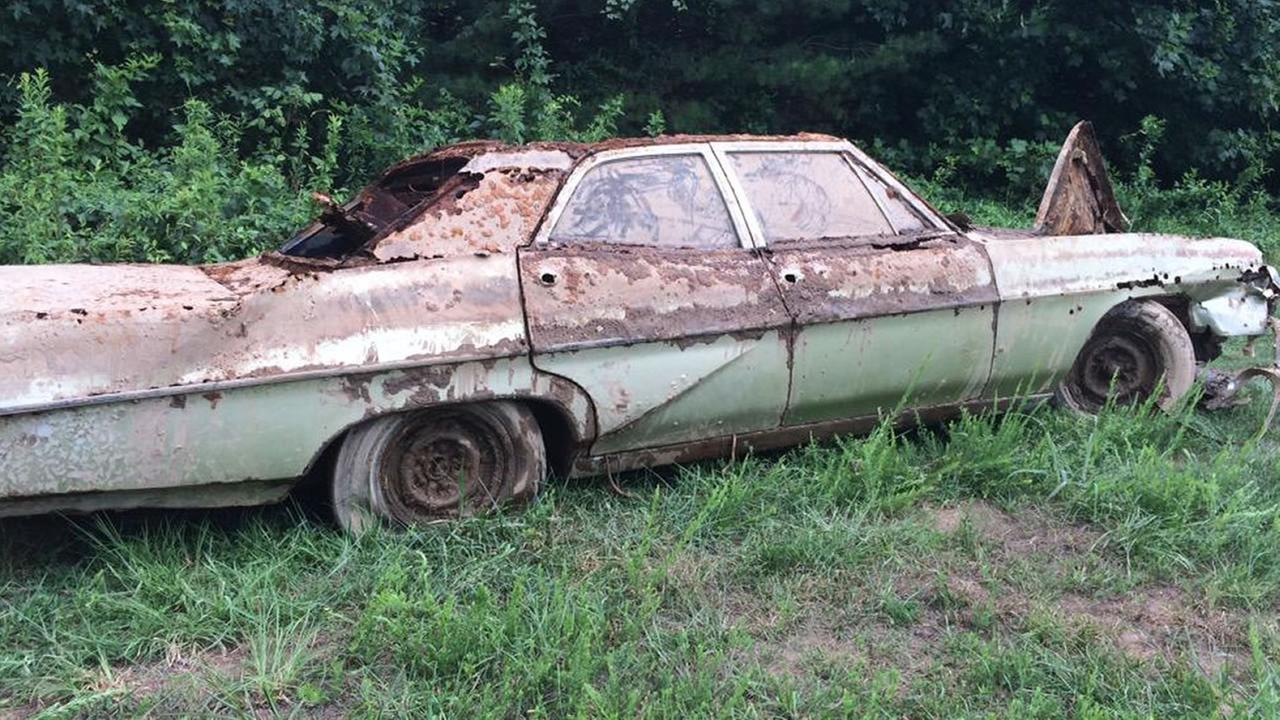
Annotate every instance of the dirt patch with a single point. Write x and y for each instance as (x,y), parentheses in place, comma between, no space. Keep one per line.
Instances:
(1153,621)
(173,681)
(810,647)
(1164,622)
(789,655)
(183,683)
(1001,576)
(1028,532)
(177,675)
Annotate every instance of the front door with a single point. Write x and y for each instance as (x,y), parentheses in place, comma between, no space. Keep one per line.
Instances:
(892,308)
(642,287)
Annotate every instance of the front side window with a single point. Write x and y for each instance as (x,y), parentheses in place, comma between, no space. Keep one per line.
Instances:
(663,200)
(807,196)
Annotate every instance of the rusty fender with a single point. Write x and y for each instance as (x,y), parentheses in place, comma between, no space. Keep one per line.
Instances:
(258,432)
(1055,289)
(87,334)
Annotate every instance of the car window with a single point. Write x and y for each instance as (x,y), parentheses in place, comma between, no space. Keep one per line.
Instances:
(663,200)
(807,195)
(902,214)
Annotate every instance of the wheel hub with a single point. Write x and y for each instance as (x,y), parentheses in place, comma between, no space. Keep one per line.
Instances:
(1120,367)
(434,471)
(441,468)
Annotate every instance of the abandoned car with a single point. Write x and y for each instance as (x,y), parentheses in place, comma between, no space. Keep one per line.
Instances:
(484,315)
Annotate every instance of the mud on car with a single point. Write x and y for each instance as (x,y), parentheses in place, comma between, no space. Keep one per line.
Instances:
(484,315)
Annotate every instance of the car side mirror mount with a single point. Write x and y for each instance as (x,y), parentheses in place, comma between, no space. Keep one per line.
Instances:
(960,220)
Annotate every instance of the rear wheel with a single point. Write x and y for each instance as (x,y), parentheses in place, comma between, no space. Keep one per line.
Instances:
(438,464)
(1136,349)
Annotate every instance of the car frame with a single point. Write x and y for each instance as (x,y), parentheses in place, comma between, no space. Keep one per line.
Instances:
(437,345)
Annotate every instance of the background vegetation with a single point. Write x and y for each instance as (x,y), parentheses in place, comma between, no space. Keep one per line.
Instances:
(1035,565)
(194,130)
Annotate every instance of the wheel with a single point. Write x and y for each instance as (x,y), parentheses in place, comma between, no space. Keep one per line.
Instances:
(437,464)
(1136,348)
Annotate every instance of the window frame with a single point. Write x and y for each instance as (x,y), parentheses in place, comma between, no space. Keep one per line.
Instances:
(857,161)
(737,217)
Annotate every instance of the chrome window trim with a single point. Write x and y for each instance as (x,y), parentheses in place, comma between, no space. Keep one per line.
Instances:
(847,150)
(703,150)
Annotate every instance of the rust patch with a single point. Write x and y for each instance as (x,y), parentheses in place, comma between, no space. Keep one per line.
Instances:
(492,214)
(1079,199)
(356,387)
(415,380)
(593,295)
(213,397)
(247,276)
(866,277)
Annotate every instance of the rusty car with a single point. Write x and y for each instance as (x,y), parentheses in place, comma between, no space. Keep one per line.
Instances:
(485,315)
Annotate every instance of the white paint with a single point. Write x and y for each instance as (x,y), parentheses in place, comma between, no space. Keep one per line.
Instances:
(392,345)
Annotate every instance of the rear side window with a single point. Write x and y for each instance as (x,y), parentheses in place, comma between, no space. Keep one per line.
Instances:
(807,195)
(904,217)
(664,200)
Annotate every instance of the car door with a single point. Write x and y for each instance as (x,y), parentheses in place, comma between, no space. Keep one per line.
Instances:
(643,288)
(890,304)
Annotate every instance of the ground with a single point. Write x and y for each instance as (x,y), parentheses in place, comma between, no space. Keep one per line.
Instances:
(1031,565)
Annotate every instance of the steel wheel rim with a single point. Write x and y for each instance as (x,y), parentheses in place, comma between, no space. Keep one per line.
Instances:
(1120,366)
(440,467)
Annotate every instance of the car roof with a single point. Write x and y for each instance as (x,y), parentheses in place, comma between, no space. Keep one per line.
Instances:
(400,189)
(578,150)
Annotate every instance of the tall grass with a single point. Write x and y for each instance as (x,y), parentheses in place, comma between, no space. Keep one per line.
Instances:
(682,599)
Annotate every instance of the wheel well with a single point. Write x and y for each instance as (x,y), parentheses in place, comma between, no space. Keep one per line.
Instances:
(1207,346)
(312,489)
(558,436)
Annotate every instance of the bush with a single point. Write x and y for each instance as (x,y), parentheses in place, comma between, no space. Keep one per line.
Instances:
(104,160)
(76,186)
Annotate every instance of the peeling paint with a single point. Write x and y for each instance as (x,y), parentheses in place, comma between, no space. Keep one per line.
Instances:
(438,284)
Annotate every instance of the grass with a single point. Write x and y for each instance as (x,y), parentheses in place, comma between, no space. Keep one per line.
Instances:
(1031,565)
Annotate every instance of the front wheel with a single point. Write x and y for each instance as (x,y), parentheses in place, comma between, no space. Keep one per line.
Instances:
(1137,349)
(437,464)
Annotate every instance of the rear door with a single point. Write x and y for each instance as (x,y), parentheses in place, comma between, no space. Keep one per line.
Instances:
(643,288)
(890,305)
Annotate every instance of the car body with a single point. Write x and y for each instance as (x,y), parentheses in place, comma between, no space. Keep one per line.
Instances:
(648,301)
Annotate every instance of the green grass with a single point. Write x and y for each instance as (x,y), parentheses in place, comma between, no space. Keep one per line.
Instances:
(1031,565)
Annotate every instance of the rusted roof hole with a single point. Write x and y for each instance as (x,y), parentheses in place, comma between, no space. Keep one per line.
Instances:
(344,229)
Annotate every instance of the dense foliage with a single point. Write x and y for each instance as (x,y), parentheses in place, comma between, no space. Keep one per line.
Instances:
(195,129)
